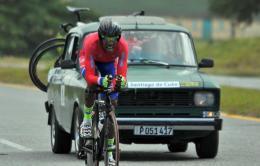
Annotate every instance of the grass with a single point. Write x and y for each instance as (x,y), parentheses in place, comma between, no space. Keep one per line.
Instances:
(15,70)
(240,101)
(232,57)
(15,76)
(13,60)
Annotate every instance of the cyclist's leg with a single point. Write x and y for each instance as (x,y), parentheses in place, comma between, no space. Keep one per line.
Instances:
(111,134)
(90,97)
(87,120)
(114,97)
(109,69)
(110,126)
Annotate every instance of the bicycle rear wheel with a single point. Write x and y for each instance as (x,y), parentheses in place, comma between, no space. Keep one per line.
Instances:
(111,126)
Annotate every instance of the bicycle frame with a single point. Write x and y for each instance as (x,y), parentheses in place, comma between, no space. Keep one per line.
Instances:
(99,143)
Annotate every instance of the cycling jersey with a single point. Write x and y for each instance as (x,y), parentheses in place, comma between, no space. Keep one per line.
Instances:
(94,58)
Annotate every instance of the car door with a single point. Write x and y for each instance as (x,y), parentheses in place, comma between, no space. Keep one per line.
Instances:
(64,74)
(74,84)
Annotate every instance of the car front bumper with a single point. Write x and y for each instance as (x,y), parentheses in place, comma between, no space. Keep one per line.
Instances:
(185,129)
(177,123)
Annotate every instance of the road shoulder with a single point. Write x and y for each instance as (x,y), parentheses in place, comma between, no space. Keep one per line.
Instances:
(248,118)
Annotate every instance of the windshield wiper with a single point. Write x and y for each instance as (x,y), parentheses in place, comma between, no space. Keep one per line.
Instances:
(178,65)
(148,61)
(144,61)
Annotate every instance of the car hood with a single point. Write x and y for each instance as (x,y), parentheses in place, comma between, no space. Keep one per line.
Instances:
(162,77)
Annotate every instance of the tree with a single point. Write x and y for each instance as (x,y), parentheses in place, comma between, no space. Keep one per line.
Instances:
(236,11)
(24,24)
(241,11)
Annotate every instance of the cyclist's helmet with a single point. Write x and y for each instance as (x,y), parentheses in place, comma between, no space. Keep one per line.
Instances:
(109,34)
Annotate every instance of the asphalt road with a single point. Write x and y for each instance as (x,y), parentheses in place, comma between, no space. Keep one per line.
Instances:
(24,139)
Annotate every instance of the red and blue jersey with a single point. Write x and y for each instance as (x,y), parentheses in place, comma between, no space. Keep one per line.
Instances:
(94,59)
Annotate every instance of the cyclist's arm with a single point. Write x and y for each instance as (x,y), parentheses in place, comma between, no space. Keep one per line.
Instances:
(87,64)
(122,60)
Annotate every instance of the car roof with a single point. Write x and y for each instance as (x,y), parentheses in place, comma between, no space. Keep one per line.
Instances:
(132,20)
(130,23)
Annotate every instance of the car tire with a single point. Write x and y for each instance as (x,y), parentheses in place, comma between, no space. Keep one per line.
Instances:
(177,147)
(207,147)
(78,141)
(60,140)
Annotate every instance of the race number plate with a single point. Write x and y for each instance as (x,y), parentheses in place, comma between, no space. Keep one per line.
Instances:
(153,130)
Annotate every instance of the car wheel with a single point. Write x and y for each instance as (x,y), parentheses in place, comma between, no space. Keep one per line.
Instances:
(78,141)
(207,147)
(178,147)
(60,140)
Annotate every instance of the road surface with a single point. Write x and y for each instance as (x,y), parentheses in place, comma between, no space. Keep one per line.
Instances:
(242,82)
(24,139)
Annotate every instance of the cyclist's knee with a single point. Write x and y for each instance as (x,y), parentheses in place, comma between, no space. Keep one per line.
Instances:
(114,103)
(90,97)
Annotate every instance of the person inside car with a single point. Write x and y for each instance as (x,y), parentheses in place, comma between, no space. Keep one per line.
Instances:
(103,53)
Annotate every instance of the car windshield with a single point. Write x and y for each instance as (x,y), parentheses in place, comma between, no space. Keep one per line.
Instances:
(160,47)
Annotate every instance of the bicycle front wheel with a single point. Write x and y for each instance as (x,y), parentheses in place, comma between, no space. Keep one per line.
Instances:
(93,145)
(111,131)
(92,159)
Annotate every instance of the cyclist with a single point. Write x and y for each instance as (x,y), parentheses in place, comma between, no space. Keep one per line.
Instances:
(103,53)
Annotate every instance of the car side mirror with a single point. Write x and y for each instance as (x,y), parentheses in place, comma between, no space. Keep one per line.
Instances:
(68,64)
(204,63)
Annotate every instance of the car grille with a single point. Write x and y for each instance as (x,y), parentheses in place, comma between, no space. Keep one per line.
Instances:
(156,98)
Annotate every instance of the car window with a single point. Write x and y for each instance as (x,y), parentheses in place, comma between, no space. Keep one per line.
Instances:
(166,46)
(75,50)
(71,48)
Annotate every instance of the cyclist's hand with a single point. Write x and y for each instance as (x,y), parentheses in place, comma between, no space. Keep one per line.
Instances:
(120,82)
(106,81)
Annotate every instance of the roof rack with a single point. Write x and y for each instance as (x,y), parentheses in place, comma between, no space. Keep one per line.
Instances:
(77,11)
(140,13)
(140,20)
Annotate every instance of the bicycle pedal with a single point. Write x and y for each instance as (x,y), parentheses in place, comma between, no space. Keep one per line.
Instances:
(82,155)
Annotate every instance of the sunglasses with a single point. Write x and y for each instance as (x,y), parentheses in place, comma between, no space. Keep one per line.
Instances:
(110,39)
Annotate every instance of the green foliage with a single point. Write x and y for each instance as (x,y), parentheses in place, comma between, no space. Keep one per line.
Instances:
(25,24)
(241,11)
(240,101)
(232,57)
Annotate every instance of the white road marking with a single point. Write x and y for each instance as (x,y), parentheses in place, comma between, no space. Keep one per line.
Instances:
(14,145)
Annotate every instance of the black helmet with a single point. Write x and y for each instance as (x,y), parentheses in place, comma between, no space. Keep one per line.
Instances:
(109,29)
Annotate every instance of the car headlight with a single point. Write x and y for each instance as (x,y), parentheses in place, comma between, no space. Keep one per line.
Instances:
(204,99)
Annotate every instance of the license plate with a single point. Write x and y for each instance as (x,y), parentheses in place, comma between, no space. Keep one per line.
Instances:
(153,130)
